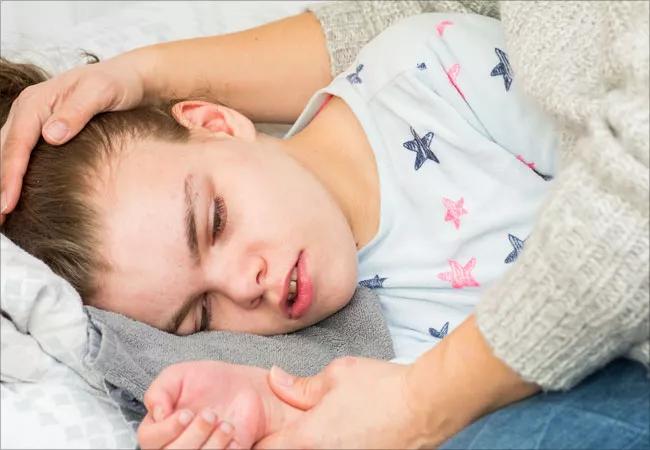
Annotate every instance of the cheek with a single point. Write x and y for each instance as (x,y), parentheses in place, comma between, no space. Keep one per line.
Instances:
(226,316)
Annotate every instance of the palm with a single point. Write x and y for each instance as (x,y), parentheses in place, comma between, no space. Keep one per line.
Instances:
(234,392)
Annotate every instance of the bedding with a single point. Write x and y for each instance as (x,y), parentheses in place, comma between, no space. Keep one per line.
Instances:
(44,340)
(43,325)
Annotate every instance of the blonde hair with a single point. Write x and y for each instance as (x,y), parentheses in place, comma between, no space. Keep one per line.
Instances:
(55,219)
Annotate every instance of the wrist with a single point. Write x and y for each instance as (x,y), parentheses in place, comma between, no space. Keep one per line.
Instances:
(149,70)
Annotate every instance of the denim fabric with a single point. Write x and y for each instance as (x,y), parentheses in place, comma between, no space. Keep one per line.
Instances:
(609,410)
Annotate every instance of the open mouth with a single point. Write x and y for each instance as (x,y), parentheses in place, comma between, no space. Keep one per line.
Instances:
(299,290)
(293,287)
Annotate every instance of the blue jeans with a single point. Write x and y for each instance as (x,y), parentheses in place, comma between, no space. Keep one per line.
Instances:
(609,410)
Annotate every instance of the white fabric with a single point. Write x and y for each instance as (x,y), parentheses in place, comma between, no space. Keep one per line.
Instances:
(52,33)
(44,338)
(434,75)
(43,322)
(60,412)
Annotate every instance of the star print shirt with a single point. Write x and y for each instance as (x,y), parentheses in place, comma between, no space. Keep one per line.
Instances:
(464,163)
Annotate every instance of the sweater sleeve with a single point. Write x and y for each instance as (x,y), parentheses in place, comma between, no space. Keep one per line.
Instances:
(578,295)
(349,25)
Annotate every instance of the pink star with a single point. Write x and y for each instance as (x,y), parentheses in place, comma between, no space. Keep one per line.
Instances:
(460,276)
(440,28)
(529,164)
(452,74)
(454,210)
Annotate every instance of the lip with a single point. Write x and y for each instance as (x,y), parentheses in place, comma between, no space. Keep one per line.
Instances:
(284,298)
(305,290)
(304,293)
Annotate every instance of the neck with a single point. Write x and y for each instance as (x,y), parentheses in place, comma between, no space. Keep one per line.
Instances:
(344,164)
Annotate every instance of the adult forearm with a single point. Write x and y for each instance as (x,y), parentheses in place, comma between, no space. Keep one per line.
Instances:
(460,380)
(267,72)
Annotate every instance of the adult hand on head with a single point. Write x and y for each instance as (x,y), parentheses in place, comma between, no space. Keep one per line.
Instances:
(352,403)
(58,109)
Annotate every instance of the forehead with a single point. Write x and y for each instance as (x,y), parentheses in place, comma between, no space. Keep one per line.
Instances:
(143,233)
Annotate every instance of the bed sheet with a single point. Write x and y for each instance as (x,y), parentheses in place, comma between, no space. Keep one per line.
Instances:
(37,37)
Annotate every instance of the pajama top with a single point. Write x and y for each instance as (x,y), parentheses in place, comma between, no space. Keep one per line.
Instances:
(464,162)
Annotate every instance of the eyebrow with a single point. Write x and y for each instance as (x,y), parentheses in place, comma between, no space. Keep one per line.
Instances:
(190,222)
(193,245)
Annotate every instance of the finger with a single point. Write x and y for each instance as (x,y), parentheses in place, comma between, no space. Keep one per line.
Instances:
(299,392)
(247,418)
(161,397)
(73,112)
(222,437)
(152,434)
(197,432)
(18,137)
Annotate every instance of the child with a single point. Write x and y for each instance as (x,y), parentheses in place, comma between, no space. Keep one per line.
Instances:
(421,169)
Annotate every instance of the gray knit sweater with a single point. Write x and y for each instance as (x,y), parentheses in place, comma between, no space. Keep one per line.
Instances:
(578,296)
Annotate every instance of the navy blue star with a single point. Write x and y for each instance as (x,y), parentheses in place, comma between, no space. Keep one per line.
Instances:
(373,283)
(420,145)
(354,77)
(439,334)
(517,245)
(421,66)
(503,68)
(544,176)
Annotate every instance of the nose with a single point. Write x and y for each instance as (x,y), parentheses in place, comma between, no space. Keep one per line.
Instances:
(243,282)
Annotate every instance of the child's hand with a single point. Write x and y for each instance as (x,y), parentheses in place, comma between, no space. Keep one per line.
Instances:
(239,395)
(183,429)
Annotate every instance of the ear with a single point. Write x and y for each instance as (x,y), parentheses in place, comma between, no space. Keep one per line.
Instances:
(200,115)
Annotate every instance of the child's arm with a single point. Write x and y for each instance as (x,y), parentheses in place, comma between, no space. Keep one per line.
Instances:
(238,395)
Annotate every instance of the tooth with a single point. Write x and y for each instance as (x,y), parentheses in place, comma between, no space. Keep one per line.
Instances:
(292,287)
(294,274)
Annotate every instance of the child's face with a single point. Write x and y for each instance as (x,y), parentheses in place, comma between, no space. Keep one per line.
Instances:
(272,210)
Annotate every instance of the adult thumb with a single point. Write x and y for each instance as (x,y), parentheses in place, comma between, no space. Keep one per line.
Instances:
(300,392)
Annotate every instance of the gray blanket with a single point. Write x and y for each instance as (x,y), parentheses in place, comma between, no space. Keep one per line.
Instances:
(128,354)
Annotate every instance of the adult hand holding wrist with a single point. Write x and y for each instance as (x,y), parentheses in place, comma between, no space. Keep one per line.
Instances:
(352,403)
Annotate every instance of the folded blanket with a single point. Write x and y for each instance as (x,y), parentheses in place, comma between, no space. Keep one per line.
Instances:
(128,354)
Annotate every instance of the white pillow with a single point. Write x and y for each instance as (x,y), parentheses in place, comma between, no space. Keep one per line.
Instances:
(60,412)
(44,340)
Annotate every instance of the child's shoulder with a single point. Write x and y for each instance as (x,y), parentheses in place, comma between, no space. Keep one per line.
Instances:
(423,27)
(411,43)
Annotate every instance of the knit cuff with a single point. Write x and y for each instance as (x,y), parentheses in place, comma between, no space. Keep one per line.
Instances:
(578,295)
(348,26)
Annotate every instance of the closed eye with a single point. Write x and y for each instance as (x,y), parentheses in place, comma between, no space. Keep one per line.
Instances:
(205,313)
(219,217)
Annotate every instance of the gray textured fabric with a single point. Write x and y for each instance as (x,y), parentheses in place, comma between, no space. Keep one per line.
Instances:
(578,295)
(129,354)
